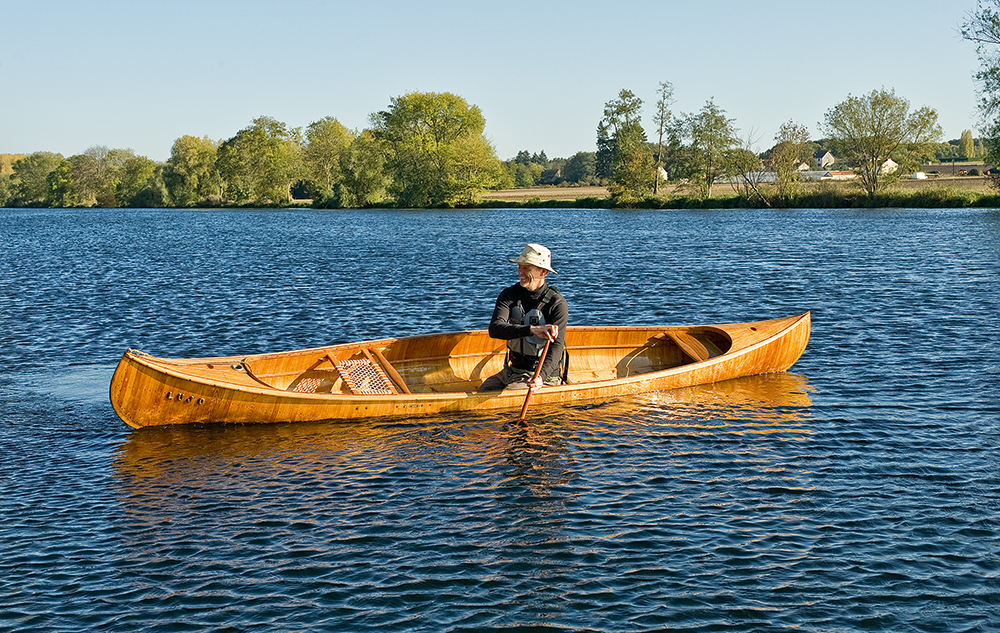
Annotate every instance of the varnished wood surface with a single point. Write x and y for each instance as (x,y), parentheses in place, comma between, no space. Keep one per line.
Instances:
(442,371)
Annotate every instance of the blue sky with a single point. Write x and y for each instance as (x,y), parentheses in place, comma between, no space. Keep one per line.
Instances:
(138,74)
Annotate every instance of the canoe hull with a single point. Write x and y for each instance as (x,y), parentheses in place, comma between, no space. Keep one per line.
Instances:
(149,391)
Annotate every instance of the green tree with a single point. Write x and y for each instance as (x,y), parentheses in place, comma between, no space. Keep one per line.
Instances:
(699,145)
(475,168)
(631,160)
(62,188)
(136,175)
(85,177)
(190,174)
(30,178)
(966,146)
(605,152)
(154,193)
(945,152)
(362,166)
(436,151)
(792,148)
(6,176)
(6,188)
(982,27)
(326,140)
(96,175)
(95,178)
(524,174)
(870,129)
(661,117)
(259,164)
(102,177)
(712,135)
(581,168)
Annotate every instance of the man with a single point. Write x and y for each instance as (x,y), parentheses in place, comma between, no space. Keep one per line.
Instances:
(526,315)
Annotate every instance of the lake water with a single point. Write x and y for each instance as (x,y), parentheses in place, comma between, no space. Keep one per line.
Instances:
(858,492)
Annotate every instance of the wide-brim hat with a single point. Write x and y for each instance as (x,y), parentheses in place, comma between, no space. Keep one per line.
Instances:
(536,255)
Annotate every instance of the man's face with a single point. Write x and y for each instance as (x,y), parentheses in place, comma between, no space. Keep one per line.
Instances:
(531,276)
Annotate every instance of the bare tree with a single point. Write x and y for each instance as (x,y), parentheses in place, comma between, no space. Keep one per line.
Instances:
(662,119)
(747,170)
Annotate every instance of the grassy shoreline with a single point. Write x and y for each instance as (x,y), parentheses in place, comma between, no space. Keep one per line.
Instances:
(940,193)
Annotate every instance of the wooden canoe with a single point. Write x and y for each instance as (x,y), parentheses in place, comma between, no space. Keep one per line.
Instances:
(438,373)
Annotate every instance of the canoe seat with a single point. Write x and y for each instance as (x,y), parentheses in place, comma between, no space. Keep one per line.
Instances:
(364,377)
(314,381)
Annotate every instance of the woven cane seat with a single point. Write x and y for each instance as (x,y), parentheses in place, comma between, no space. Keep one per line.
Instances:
(365,378)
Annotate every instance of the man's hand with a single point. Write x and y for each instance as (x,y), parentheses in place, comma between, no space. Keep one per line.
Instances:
(549,332)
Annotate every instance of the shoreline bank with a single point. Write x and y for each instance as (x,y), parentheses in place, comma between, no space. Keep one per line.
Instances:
(932,193)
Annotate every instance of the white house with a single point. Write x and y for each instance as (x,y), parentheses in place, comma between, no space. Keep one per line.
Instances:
(824,159)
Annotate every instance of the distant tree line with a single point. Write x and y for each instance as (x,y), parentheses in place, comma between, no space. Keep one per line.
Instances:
(429,150)
(982,27)
(424,150)
(534,169)
(876,135)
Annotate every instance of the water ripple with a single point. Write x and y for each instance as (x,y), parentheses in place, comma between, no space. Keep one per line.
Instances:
(857,493)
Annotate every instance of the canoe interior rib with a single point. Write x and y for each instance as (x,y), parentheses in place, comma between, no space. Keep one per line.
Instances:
(440,372)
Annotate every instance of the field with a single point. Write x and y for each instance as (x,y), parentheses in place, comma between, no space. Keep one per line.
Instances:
(546,193)
(975,184)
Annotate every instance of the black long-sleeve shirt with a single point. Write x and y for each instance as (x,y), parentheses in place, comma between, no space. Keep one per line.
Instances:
(556,312)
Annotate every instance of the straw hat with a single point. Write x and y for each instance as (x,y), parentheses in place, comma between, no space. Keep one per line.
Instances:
(536,255)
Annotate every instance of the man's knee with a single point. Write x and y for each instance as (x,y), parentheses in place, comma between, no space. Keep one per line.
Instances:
(493,383)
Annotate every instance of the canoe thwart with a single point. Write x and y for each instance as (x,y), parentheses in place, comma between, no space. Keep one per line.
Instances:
(389,369)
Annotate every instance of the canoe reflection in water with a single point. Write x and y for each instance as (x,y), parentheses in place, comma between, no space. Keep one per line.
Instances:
(262,500)
(768,403)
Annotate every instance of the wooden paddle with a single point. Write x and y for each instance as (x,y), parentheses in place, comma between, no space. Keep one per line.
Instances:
(531,390)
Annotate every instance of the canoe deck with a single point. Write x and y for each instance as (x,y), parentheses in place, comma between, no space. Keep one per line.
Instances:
(440,372)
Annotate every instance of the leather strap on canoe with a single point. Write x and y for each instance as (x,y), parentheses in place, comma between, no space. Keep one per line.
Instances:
(249,371)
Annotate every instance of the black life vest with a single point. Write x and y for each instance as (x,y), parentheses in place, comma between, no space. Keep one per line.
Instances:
(530,345)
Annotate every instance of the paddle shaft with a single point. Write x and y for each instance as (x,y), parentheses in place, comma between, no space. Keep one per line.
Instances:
(531,390)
